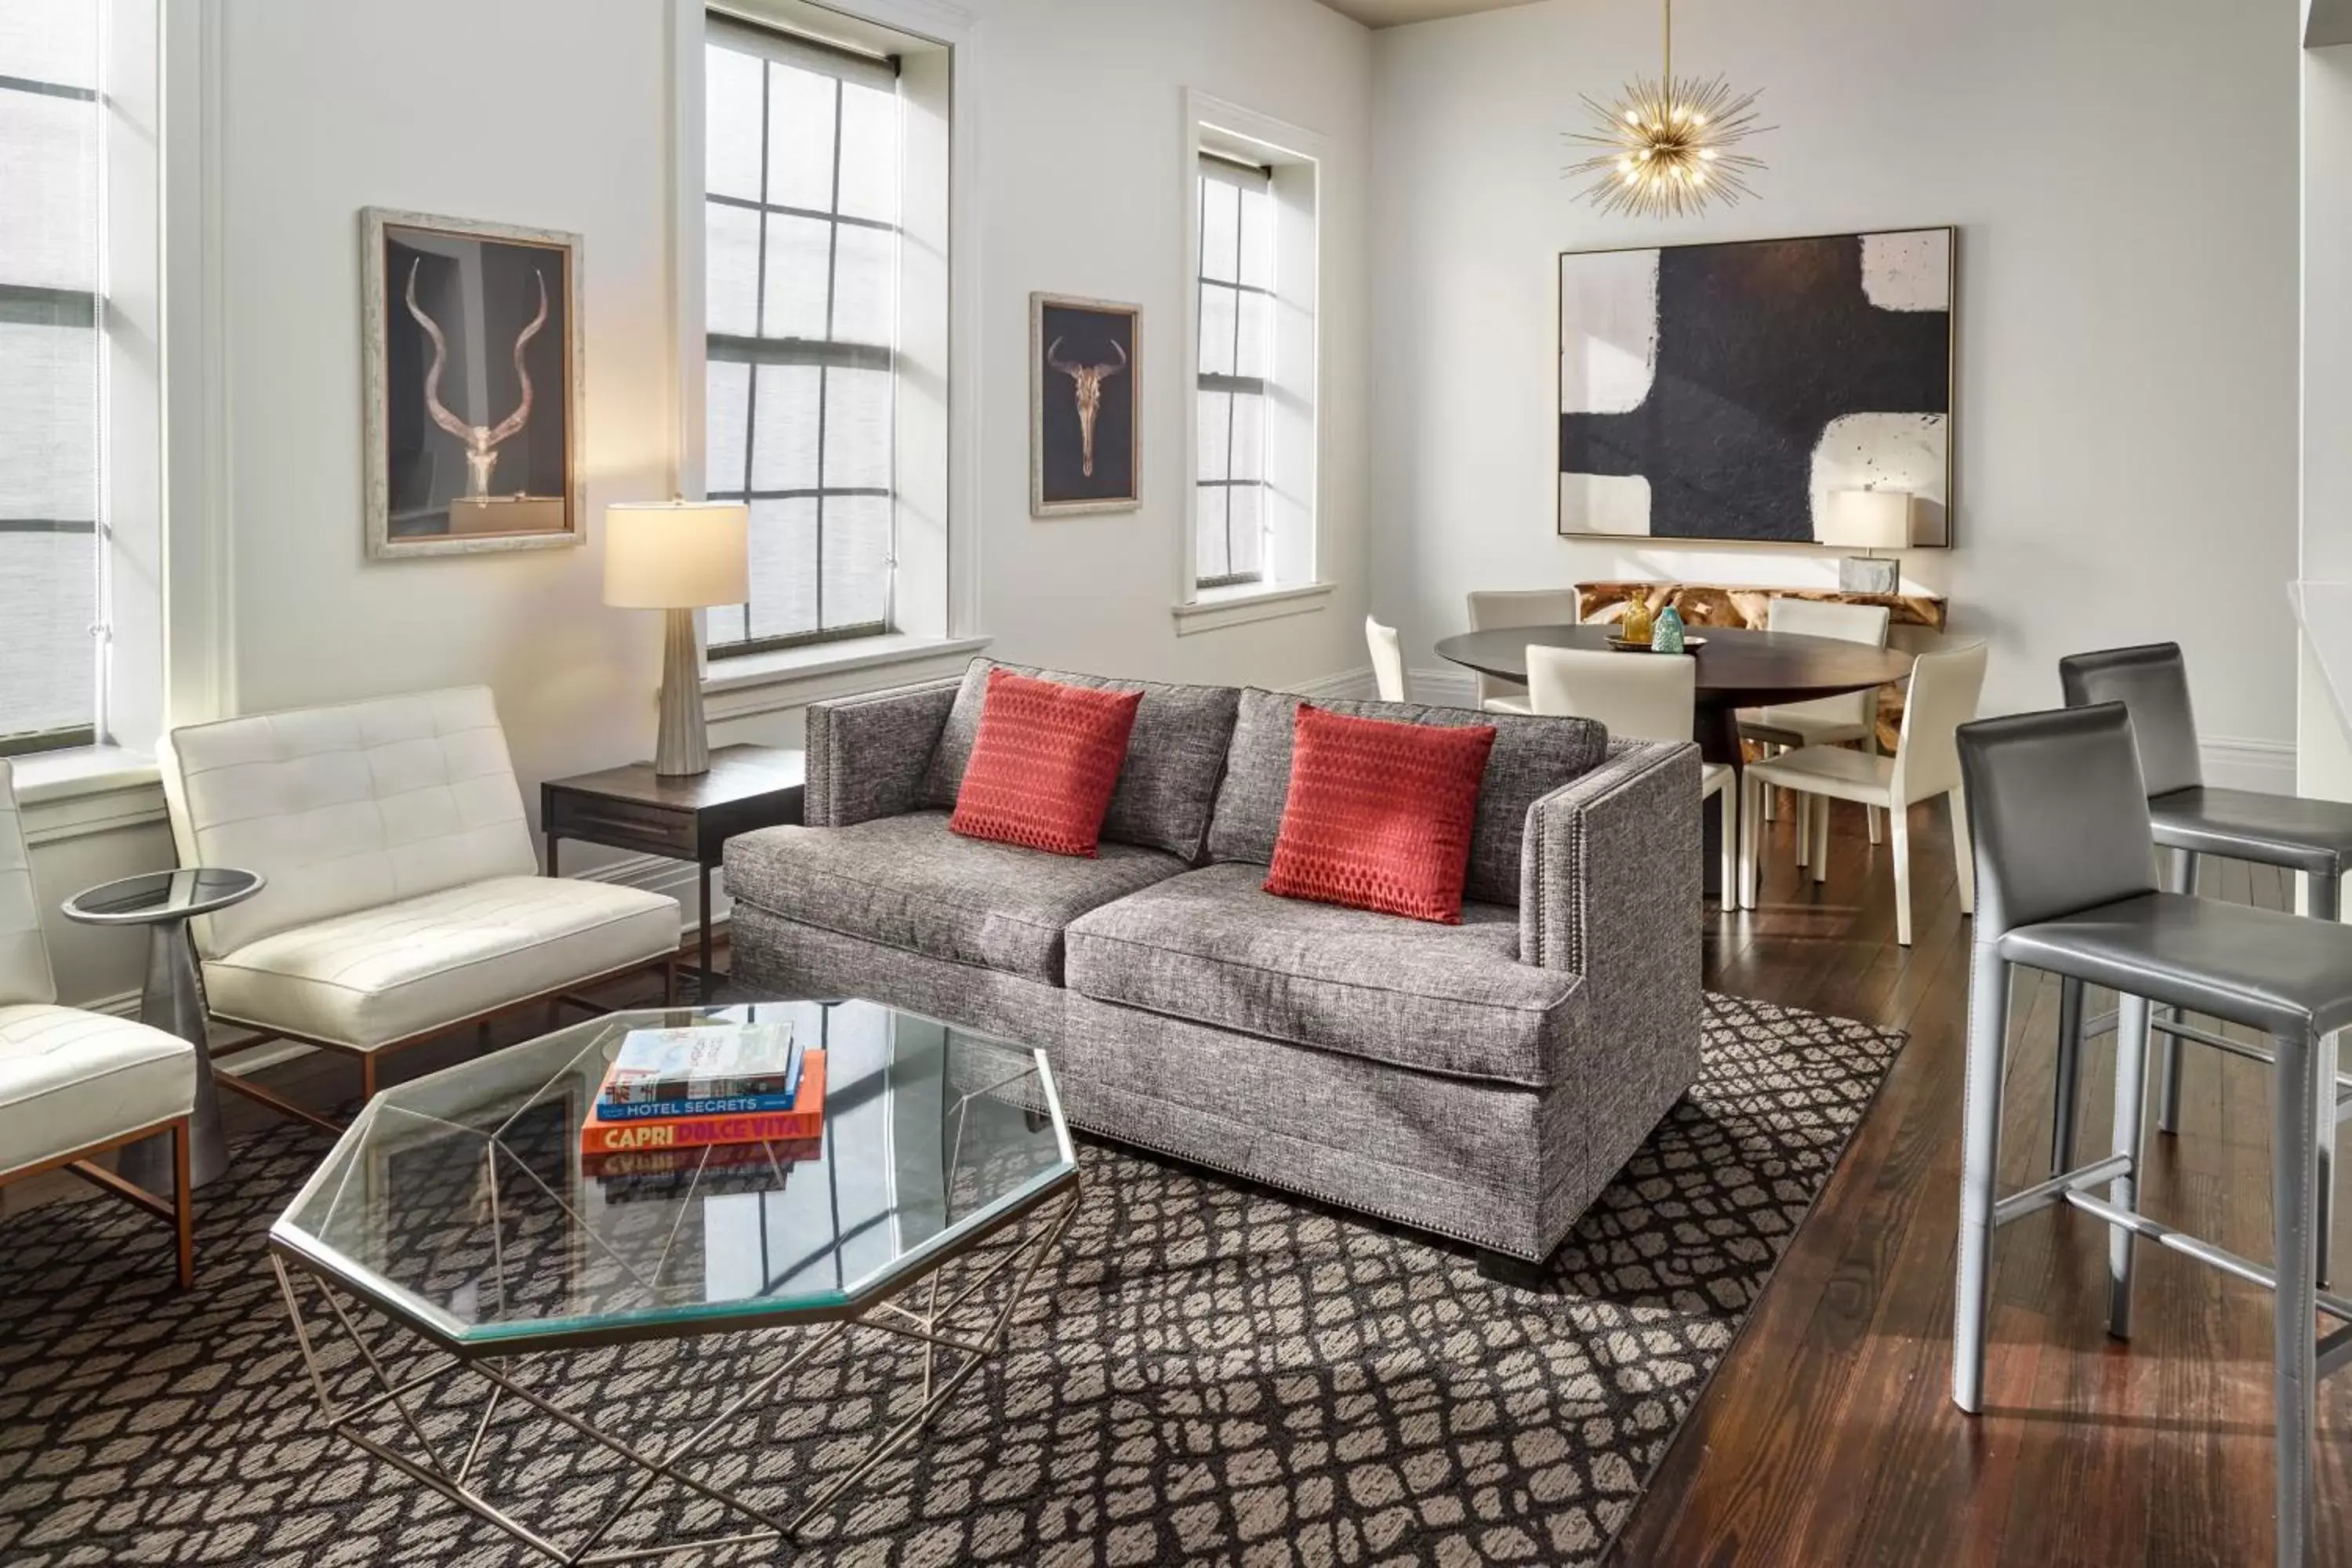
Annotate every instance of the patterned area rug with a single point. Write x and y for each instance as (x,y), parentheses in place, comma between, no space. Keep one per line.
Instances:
(1206,1373)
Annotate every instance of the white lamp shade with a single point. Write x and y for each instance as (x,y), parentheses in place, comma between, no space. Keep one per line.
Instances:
(676,555)
(1867,519)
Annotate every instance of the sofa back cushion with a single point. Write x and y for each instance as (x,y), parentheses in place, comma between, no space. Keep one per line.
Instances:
(346,808)
(1167,785)
(1532,757)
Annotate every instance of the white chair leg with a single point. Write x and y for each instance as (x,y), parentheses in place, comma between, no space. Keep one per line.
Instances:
(1964,859)
(1898,823)
(1820,804)
(1752,796)
(1877,815)
(1804,804)
(1726,809)
(1771,806)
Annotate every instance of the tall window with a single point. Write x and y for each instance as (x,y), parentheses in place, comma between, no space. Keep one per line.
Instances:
(801,233)
(1236,356)
(51,599)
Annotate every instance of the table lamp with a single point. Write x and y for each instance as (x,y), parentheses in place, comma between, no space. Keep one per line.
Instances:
(1868,520)
(680,556)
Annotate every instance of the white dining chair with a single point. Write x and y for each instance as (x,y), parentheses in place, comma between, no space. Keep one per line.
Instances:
(1830,721)
(1638,697)
(1925,763)
(1387,661)
(1500,609)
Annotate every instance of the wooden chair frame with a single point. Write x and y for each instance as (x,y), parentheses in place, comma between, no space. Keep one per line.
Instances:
(565,994)
(179,1212)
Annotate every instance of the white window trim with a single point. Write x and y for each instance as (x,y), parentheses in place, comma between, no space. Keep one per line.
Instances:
(789,678)
(755,683)
(1214,609)
(1198,609)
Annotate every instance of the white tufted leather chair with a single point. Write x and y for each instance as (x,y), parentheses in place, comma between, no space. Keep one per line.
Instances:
(403,893)
(75,1084)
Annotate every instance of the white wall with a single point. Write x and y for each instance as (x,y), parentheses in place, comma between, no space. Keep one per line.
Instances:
(2323,757)
(2122,173)
(557,113)
(1080,190)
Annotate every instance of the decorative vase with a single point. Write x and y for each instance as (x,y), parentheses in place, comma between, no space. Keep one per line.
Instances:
(1637,625)
(1666,635)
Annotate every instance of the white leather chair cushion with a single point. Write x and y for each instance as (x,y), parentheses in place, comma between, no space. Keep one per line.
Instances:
(377,975)
(346,808)
(69,1079)
(1831,719)
(24,957)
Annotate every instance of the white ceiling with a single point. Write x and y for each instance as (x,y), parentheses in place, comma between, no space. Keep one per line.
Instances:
(2324,22)
(1396,13)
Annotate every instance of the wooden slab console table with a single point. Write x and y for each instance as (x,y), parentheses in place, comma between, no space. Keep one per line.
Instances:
(1917,620)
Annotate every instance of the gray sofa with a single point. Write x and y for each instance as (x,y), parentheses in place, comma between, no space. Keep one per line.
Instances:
(1483,1081)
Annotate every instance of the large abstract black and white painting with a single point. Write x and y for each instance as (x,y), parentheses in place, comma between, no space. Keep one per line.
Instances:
(1721,392)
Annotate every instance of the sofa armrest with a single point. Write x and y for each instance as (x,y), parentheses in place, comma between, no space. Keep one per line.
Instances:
(1610,874)
(868,756)
(1611,885)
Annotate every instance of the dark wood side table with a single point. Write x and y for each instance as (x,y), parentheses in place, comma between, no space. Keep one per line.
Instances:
(689,818)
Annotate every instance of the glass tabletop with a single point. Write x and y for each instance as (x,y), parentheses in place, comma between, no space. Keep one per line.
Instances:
(460,1201)
(163,895)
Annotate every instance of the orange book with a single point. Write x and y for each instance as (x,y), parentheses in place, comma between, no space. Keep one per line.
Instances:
(711,1159)
(805,1119)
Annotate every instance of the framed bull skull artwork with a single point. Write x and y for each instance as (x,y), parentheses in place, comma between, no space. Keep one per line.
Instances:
(473,385)
(1085,443)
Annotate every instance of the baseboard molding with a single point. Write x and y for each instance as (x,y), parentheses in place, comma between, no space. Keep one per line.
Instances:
(677,878)
(1348,685)
(2264,765)
(1444,687)
(125,1005)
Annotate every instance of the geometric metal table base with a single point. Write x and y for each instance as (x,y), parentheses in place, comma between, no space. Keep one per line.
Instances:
(963,1329)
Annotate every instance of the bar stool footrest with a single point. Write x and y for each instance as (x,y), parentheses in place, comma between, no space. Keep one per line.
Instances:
(2053,1192)
(2165,1236)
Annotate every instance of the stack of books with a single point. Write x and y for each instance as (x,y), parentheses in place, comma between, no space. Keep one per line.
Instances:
(682,1109)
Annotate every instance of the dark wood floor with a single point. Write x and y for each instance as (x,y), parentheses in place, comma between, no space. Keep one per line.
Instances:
(1829,1436)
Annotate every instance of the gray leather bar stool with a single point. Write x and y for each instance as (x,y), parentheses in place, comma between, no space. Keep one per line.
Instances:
(2065,884)
(2192,820)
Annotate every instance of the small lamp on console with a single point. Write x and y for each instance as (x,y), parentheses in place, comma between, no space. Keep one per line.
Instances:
(1868,520)
(678,556)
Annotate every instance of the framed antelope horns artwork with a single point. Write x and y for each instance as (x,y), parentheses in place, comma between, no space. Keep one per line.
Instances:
(1085,440)
(473,385)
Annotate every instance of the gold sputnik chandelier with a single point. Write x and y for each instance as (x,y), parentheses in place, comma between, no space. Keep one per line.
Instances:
(1667,145)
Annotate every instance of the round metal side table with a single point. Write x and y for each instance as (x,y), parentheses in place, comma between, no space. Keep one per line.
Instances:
(173,999)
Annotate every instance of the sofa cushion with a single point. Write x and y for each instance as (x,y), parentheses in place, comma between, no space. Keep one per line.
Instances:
(1532,757)
(414,966)
(1213,946)
(1380,814)
(908,882)
(1169,782)
(1047,758)
(70,1079)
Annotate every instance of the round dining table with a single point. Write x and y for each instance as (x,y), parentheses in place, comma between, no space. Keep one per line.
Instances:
(1736,669)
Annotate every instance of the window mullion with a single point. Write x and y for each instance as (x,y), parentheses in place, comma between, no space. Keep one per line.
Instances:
(824,377)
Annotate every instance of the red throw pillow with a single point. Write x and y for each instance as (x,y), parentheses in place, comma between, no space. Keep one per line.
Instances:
(1044,763)
(1380,813)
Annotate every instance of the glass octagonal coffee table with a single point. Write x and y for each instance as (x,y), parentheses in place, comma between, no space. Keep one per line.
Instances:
(457,1210)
